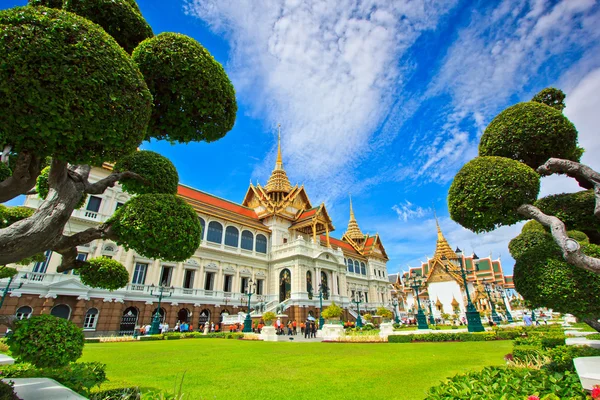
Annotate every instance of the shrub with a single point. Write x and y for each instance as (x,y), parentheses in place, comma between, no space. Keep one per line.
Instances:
(562,357)
(7,392)
(552,97)
(550,341)
(576,210)
(92,340)
(487,191)
(46,341)
(126,393)
(400,338)
(593,336)
(510,383)
(159,173)
(150,338)
(333,311)
(384,313)
(524,352)
(269,317)
(104,272)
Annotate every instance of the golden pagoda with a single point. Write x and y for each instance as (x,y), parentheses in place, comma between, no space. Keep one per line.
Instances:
(278,184)
(353,232)
(442,248)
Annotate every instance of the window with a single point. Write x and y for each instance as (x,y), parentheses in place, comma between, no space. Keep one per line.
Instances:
(80,257)
(363,268)
(366,297)
(209,281)
(215,232)
(188,279)
(261,244)
(202,225)
(227,283)
(165,276)
(324,285)
(24,312)
(94,204)
(41,267)
(350,265)
(61,311)
(247,240)
(309,285)
(337,279)
(139,273)
(119,205)
(259,286)
(356,267)
(91,318)
(244,285)
(232,236)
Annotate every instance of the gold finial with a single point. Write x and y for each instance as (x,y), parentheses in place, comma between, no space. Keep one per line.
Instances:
(278,182)
(279,162)
(351,210)
(353,231)
(442,248)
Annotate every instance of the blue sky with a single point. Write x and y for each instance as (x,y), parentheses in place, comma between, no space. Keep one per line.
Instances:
(382,99)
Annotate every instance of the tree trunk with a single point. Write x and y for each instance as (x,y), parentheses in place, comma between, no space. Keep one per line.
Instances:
(593,322)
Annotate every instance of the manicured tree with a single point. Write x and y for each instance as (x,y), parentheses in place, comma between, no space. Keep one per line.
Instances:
(500,186)
(87,87)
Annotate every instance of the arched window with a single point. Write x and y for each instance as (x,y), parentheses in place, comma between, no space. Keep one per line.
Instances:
(261,244)
(285,284)
(129,321)
(232,236)
(215,232)
(350,265)
(356,267)
(61,311)
(247,240)
(161,313)
(24,312)
(91,319)
(203,227)
(324,285)
(309,287)
(363,268)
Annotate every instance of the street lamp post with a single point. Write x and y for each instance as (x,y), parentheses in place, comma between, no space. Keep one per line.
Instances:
(503,295)
(155,327)
(488,289)
(431,319)
(322,291)
(8,289)
(358,299)
(248,321)
(473,318)
(415,284)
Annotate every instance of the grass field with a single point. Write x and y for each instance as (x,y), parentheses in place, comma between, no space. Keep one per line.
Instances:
(234,369)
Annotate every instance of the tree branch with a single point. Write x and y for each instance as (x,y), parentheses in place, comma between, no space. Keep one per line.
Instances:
(593,322)
(67,245)
(109,181)
(26,170)
(559,233)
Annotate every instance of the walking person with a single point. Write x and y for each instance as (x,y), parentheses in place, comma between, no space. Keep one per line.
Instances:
(295,328)
(307,330)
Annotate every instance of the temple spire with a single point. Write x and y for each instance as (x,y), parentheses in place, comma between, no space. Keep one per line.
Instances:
(442,248)
(353,231)
(278,182)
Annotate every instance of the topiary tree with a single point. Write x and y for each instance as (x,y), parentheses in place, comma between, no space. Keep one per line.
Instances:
(384,313)
(86,87)
(46,341)
(500,186)
(332,311)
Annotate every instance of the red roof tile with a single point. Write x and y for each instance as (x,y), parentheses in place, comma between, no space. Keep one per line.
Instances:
(339,243)
(307,214)
(197,195)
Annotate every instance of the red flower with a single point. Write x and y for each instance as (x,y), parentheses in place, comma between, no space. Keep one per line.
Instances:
(533,398)
(596,392)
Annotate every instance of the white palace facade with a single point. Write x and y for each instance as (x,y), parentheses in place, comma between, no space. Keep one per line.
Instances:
(276,238)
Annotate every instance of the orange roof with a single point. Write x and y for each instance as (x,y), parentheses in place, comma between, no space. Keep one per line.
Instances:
(307,214)
(338,243)
(197,195)
(369,241)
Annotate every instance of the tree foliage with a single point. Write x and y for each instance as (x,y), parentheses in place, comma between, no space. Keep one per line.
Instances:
(531,133)
(552,97)
(576,210)
(10,215)
(104,273)
(194,99)
(5,171)
(42,187)
(159,173)
(46,341)
(533,225)
(103,107)
(534,245)
(158,226)
(487,191)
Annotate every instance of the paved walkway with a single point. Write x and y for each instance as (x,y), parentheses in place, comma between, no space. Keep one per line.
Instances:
(298,339)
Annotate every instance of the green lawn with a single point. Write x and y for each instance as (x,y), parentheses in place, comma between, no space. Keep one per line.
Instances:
(234,369)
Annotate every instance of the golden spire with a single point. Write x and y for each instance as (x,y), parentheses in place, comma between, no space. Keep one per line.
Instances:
(454,302)
(353,231)
(442,248)
(278,182)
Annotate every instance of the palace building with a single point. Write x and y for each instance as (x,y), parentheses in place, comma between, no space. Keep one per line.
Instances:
(443,287)
(275,241)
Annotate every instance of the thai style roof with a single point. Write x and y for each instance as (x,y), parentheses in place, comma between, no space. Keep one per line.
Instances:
(442,248)
(353,231)
(278,182)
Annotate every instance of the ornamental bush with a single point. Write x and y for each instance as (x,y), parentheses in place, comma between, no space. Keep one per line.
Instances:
(562,357)
(7,272)
(119,18)
(46,341)
(333,311)
(535,245)
(104,104)
(576,210)
(487,191)
(160,226)
(7,392)
(533,225)
(269,317)
(552,97)
(384,313)
(532,133)
(10,215)
(194,99)
(104,272)
(159,173)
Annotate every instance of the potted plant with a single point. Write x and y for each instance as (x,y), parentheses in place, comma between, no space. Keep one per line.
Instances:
(332,313)
(385,314)
(269,317)
(267,333)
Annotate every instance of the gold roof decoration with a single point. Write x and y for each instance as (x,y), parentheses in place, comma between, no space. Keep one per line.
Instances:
(353,231)
(454,302)
(442,248)
(278,182)
(438,303)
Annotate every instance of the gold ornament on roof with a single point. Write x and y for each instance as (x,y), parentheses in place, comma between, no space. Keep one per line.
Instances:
(278,182)
(353,231)
(454,302)
(442,248)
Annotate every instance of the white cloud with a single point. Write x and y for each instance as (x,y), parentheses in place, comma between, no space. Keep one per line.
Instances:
(327,71)
(408,210)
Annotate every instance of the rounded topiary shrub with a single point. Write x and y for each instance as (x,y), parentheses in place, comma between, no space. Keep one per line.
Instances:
(533,225)
(104,273)
(159,173)
(80,97)
(535,245)
(158,226)
(552,97)
(332,311)
(118,18)
(269,317)
(487,192)
(194,99)
(46,341)
(531,133)
(579,236)
(576,210)
(7,272)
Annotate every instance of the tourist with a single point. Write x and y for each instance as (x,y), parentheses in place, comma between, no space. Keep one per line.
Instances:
(295,328)
(302,328)
(177,327)
(307,329)
(527,320)
(278,325)
(289,326)
(313,329)
(212,326)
